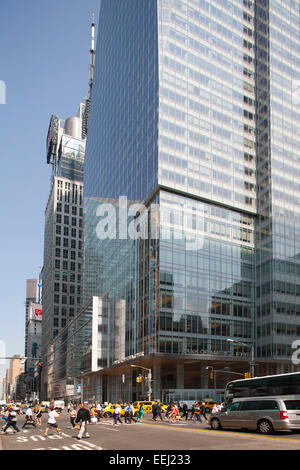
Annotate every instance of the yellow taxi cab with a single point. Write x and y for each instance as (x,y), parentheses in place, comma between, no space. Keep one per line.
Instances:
(209,404)
(109,410)
(42,408)
(148,406)
(93,411)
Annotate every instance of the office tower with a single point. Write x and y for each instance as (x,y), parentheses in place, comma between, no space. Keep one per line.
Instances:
(31,296)
(63,228)
(16,369)
(6,386)
(61,273)
(63,242)
(33,319)
(33,352)
(195,113)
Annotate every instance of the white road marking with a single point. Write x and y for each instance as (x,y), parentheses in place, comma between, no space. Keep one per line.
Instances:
(79,446)
(82,445)
(36,438)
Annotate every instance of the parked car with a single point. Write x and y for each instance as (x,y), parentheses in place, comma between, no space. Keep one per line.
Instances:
(262,414)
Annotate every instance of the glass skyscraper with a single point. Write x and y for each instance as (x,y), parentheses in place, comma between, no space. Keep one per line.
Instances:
(194,114)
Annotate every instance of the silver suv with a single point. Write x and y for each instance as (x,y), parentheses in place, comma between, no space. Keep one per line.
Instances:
(262,414)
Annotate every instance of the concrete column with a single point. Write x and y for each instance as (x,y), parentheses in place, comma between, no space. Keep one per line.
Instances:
(204,378)
(156,384)
(180,376)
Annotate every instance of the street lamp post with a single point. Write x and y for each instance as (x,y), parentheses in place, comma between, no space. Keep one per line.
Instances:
(214,371)
(149,379)
(225,371)
(251,347)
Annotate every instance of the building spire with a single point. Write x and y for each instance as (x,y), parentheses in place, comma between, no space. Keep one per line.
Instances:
(92,52)
(91,80)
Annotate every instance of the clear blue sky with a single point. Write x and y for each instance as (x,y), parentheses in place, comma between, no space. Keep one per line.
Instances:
(44,59)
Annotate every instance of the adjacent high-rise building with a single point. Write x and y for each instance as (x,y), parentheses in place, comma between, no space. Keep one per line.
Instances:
(63,242)
(31,296)
(16,369)
(33,335)
(34,348)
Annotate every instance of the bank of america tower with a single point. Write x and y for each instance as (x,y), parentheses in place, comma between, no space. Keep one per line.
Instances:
(196,114)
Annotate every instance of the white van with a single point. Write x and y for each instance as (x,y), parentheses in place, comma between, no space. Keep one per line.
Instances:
(189,404)
(264,414)
(59,404)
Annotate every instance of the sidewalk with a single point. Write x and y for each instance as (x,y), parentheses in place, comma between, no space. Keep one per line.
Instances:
(1,447)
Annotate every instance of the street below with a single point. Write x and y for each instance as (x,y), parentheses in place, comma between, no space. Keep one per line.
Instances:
(149,435)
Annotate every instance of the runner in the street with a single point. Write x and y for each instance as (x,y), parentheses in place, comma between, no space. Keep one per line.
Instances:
(11,421)
(158,411)
(29,421)
(52,415)
(185,411)
(99,410)
(141,414)
(73,414)
(38,417)
(83,419)
(116,415)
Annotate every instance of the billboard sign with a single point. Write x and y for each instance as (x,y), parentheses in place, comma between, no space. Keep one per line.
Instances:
(51,137)
(36,312)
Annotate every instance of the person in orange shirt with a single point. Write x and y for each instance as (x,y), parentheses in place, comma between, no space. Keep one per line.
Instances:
(197,415)
(174,413)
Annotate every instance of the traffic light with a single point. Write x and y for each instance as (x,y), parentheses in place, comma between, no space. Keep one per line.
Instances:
(211,376)
(40,366)
(139,379)
(247,375)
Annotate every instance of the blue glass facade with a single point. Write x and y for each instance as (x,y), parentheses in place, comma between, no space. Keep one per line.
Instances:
(278,227)
(193,113)
(206,100)
(124,128)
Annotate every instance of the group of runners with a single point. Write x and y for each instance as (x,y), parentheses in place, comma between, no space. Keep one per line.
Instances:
(79,418)
(196,414)
(81,415)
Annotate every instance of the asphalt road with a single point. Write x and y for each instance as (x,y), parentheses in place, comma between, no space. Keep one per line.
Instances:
(149,435)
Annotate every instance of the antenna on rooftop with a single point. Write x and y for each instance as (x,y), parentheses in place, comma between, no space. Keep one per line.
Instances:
(92,51)
(91,80)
